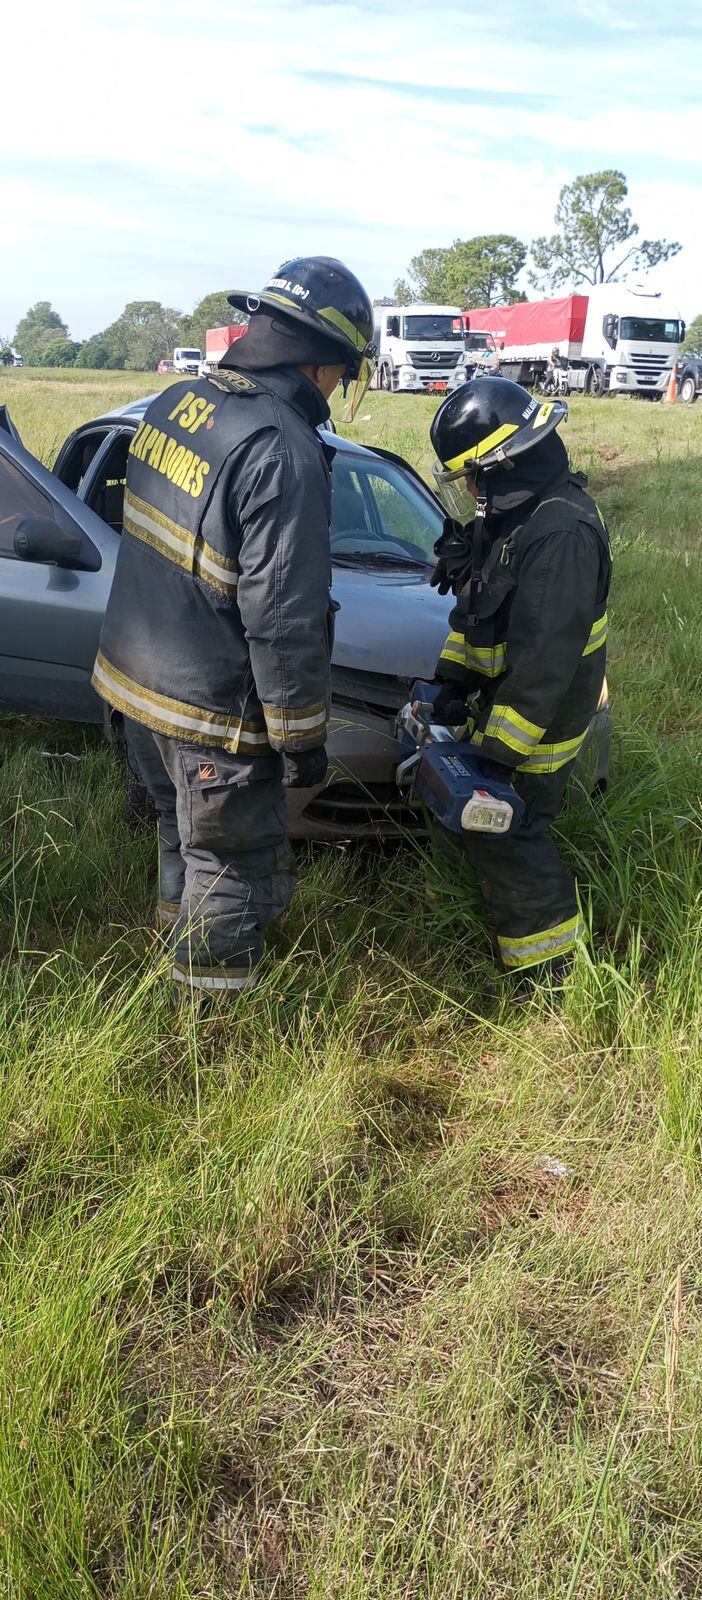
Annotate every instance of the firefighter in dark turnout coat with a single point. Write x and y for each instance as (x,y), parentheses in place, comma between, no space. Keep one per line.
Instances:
(526,650)
(217,637)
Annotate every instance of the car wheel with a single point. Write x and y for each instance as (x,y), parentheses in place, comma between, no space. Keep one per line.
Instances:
(688,392)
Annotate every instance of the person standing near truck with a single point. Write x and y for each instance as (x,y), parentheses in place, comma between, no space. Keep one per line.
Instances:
(217,636)
(527,556)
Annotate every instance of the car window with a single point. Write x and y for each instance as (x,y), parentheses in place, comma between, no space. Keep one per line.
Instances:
(19,498)
(74,465)
(106,494)
(378,511)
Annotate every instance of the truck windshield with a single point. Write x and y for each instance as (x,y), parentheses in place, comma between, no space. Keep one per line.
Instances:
(433,328)
(653,329)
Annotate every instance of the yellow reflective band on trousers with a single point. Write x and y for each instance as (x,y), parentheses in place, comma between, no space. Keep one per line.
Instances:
(300,726)
(483,447)
(512,729)
(490,660)
(544,946)
(598,634)
(177,544)
(176,718)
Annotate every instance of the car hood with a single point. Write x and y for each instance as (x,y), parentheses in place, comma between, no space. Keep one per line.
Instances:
(388,622)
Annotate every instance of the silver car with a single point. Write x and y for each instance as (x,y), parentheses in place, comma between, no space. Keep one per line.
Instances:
(59,538)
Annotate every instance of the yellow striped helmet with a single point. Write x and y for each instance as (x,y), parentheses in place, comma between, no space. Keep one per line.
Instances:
(479,427)
(324,295)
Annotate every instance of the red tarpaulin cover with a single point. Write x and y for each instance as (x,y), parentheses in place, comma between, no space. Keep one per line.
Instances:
(535,322)
(217,340)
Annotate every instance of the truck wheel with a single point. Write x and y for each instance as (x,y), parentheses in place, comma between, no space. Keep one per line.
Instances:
(688,392)
(383,378)
(596,382)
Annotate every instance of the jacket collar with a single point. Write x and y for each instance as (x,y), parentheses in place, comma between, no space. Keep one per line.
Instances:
(292,386)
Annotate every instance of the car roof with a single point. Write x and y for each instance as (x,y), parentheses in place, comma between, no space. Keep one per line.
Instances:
(135,410)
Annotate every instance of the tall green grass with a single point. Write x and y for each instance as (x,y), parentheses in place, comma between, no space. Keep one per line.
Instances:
(290,1306)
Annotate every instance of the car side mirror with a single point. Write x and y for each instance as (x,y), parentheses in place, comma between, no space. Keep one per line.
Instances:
(42,539)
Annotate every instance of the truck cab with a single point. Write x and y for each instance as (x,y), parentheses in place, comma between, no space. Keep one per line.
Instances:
(186,359)
(420,348)
(633,336)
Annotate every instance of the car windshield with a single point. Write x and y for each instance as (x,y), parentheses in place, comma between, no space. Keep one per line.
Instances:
(652,329)
(433,328)
(190,355)
(380,516)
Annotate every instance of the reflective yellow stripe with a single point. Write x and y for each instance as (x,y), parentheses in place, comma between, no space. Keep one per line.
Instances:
(176,718)
(513,730)
(145,522)
(549,757)
(296,726)
(453,655)
(477,451)
(598,634)
(490,660)
(534,947)
(331,314)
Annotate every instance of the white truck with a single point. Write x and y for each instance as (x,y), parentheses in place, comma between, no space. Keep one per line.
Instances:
(420,348)
(186,359)
(616,338)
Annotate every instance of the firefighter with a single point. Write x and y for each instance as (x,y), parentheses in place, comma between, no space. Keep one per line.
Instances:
(217,637)
(527,556)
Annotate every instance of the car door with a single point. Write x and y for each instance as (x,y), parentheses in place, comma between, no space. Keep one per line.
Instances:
(52,602)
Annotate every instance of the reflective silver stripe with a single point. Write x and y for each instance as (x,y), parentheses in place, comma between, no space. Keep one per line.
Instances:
(278,722)
(598,634)
(167,717)
(178,544)
(513,730)
(491,661)
(182,543)
(549,757)
(197,979)
(537,947)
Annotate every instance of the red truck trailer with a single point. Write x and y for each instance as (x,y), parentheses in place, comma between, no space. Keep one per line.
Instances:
(217,342)
(523,336)
(618,337)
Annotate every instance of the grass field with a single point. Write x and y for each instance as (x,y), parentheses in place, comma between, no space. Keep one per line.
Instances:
(289,1306)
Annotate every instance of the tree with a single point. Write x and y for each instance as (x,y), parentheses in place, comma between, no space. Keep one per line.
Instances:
(96,352)
(37,328)
(214,311)
(6,357)
(593,226)
(58,353)
(470,272)
(693,338)
(144,334)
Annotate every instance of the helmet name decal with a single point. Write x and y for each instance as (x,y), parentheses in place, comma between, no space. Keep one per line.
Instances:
(295,289)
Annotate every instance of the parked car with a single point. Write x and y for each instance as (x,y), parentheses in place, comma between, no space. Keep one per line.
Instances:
(59,538)
(688,371)
(165,366)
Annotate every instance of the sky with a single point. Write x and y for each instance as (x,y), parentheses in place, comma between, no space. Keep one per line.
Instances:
(165,150)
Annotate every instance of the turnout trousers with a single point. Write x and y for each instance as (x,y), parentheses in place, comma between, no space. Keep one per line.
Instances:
(226,866)
(529,892)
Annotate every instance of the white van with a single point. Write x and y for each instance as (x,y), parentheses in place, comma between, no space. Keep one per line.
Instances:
(186,360)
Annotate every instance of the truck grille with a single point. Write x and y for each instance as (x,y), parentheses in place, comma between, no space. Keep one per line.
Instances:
(440,360)
(649,368)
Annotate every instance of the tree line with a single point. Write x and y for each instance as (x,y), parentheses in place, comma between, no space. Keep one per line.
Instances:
(595,240)
(145,333)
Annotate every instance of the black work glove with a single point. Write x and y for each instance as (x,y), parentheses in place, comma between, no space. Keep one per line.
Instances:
(450,706)
(303,769)
(454,551)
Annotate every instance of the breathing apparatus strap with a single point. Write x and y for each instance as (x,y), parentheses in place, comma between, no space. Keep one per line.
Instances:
(477,554)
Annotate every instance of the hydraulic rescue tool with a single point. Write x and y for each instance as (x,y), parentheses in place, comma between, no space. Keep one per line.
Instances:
(443,769)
